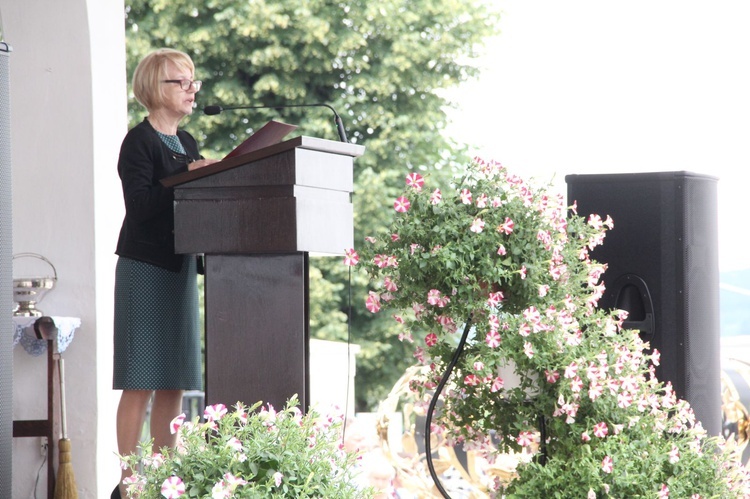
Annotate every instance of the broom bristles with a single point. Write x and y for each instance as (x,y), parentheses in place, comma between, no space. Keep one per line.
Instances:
(65,485)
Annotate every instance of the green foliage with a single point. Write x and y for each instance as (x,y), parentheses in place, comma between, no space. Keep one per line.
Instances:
(248,453)
(381,65)
(544,373)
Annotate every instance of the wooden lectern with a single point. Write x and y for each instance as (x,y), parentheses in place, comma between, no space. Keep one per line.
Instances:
(257,217)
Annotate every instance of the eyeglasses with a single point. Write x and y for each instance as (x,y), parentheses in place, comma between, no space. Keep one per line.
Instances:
(186,84)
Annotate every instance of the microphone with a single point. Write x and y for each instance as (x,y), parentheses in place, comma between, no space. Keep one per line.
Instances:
(212,110)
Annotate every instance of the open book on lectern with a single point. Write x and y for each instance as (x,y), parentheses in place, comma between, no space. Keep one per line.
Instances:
(268,135)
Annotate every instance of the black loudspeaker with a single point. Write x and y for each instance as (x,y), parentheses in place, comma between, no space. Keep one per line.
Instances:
(662,258)
(6,280)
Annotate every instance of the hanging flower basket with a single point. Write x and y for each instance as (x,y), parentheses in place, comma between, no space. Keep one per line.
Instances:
(507,263)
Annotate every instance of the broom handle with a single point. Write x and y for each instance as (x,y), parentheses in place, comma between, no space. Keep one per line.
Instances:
(61,368)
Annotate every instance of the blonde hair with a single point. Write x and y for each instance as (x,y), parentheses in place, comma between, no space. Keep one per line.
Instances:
(148,76)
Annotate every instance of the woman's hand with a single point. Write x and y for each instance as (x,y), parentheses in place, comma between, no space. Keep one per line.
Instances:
(201,163)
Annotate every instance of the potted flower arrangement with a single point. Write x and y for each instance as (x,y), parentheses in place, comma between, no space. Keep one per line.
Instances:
(253,452)
(501,269)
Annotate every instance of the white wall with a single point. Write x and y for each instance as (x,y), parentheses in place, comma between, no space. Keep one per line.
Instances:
(68,116)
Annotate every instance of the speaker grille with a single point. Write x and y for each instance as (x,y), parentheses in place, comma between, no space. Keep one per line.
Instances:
(702,343)
(6,284)
(665,235)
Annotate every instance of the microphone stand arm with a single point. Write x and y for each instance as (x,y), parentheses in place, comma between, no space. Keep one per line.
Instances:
(336,117)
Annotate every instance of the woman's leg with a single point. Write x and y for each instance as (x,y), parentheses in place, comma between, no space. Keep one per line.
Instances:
(131,413)
(167,405)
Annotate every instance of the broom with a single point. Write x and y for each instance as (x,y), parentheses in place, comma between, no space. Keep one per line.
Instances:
(65,485)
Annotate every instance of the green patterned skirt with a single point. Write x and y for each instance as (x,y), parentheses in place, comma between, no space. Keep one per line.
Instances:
(156,330)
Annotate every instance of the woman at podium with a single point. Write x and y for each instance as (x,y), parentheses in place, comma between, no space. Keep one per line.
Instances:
(156,332)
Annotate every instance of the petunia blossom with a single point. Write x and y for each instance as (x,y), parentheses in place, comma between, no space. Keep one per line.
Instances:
(433,296)
(176,423)
(525,438)
(506,227)
(157,459)
(215,412)
(415,180)
(401,205)
(497,384)
(524,330)
(477,226)
(373,302)
(494,299)
(492,339)
(277,478)
(351,257)
(528,349)
(607,464)
(173,487)
(221,490)
(674,455)
(234,443)
(431,340)
(436,197)
(465,196)
(601,430)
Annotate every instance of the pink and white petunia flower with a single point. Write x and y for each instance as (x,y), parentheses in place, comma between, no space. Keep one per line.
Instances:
(607,464)
(433,296)
(528,349)
(173,487)
(494,299)
(215,412)
(674,455)
(601,430)
(477,226)
(492,339)
(431,340)
(401,205)
(482,200)
(525,438)
(506,227)
(436,197)
(351,257)
(234,443)
(176,423)
(415,181)
(373,302)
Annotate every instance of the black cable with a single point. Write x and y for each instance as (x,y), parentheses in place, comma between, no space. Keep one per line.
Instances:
(543,440)
(433,403)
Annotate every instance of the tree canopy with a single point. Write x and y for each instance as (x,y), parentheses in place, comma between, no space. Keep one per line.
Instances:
(381,65)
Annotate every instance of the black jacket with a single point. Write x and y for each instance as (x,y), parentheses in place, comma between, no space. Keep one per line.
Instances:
(147,232)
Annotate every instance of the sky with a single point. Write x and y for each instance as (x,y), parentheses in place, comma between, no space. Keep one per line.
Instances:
(597,86)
